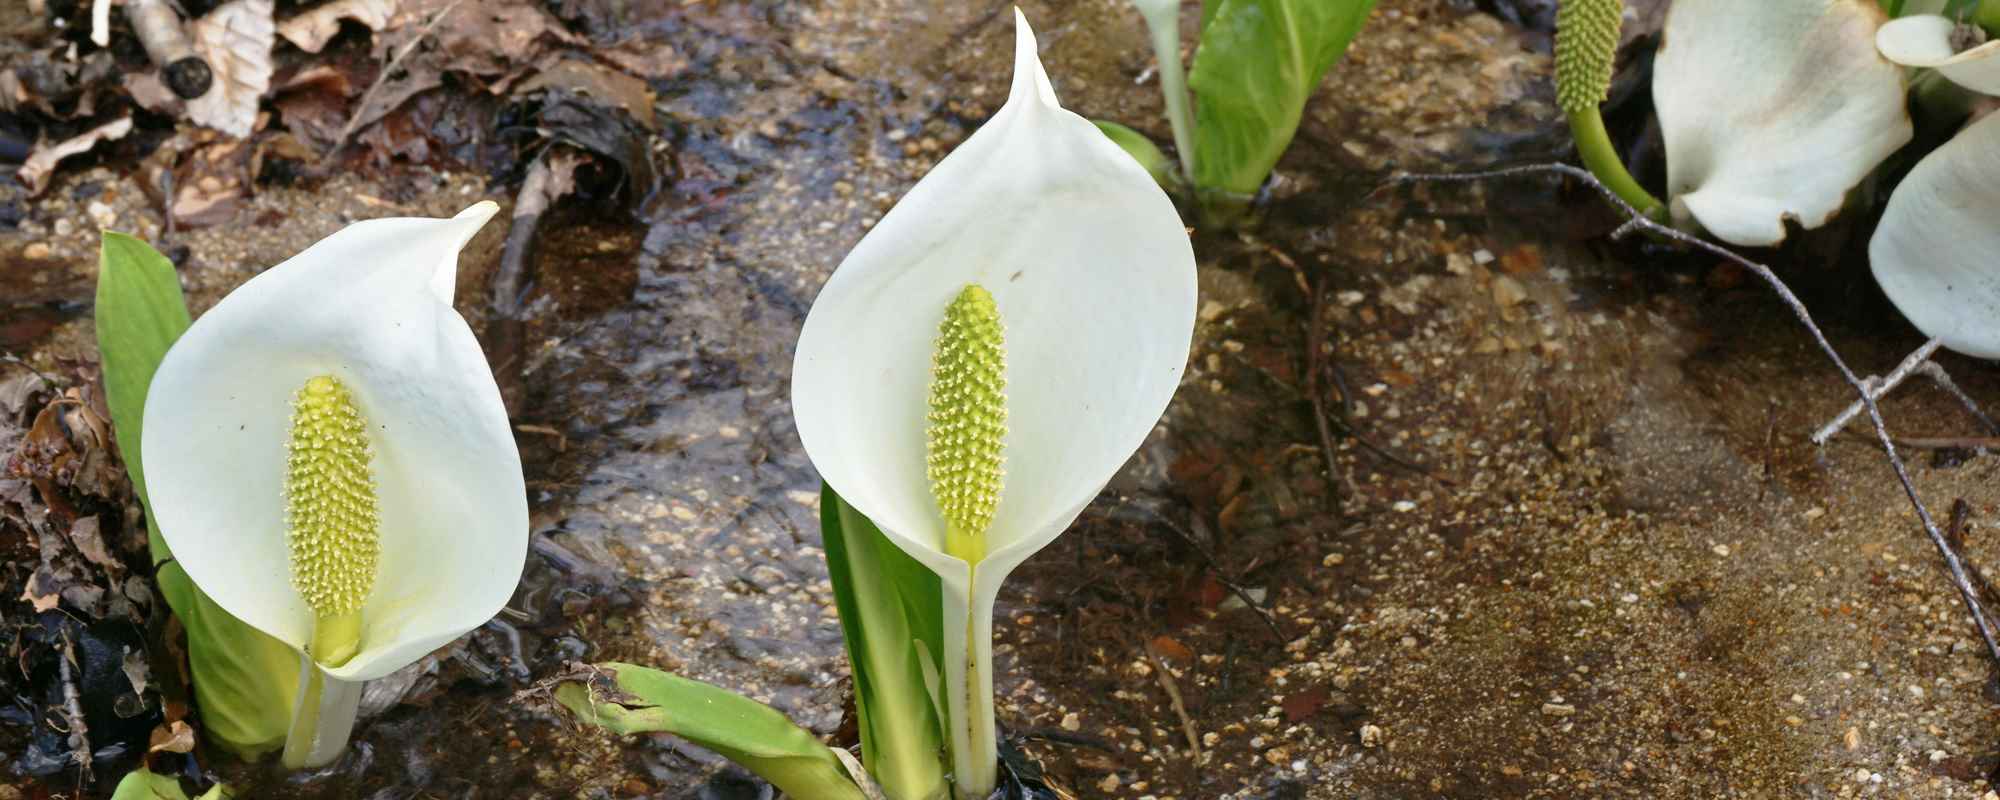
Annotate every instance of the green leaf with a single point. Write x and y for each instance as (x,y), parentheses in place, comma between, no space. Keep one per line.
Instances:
(1208,9)
(891,613)
(754,735)
(140,313)
(1258,63)
(1141,149)
(244,680)
(144,784)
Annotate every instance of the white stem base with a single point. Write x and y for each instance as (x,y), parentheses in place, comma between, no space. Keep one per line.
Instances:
(322,717)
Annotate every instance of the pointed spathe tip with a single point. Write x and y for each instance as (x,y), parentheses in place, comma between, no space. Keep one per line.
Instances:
(478,213)
(1030,80)
(464,225)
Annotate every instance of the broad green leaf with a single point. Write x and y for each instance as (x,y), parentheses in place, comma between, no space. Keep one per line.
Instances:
(1208,9)
(1258,63)
(891,615)
(140,313)
(1141,149)
(754,735)
(244,680)
(144,784)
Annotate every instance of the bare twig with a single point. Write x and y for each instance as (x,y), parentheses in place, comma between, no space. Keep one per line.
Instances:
(165,40)
(1216,569)
(1947,442)
(1637,221)
(1180,709)
(1880,387)
(1938,376)
(1315,395)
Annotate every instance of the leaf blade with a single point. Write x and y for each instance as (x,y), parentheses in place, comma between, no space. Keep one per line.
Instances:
(755,736)
(1258,63)
(889,606)
(243,679)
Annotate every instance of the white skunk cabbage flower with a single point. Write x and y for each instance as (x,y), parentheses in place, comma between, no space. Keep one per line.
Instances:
(1926,41)
(989,356)
(1772,110)
(329,460)
(1934,251)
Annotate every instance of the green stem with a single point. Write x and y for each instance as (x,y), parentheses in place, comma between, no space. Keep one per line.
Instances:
(1163,21)
(1593,143)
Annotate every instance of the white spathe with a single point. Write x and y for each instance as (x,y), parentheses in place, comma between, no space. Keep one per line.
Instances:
(1925,41)
(370,305)
(1772,110)
(1934,253)
(1094,277)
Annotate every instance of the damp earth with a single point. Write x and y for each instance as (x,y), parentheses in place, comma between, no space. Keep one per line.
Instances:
(1459,498)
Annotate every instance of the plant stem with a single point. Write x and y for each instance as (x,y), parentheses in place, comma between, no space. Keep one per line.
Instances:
(1593,143)
(322,717)
(975,752)
(1163,21)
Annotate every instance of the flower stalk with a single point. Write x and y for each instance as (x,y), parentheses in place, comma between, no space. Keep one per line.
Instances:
(1163,24)
(1587,33)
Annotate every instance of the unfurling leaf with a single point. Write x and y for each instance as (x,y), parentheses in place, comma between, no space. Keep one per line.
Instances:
(639,700)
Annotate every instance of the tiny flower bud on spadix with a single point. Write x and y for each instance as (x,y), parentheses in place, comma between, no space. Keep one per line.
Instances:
(330,511)
(968,420)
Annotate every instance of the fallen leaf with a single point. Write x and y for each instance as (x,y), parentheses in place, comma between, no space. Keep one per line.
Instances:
(41,591)
(89,540)
(1169,648)
(138,674)
(41,164)
(310,30)
(597,82)
(235,39)
(174,737)
(646,59)
(211,184)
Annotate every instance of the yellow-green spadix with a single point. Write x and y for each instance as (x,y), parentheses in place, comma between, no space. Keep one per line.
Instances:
(328,458)
(1088,277)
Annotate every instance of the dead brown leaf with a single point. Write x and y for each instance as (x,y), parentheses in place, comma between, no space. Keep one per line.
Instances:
(212,183)
(599,82)
(309,30)
(175,737)
(649,60)
(314,105)
(41,164)
(85,536)
(235,39)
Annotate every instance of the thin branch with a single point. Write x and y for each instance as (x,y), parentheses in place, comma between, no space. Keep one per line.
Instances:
(1637,221)
(1214,568)
(1880,387)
